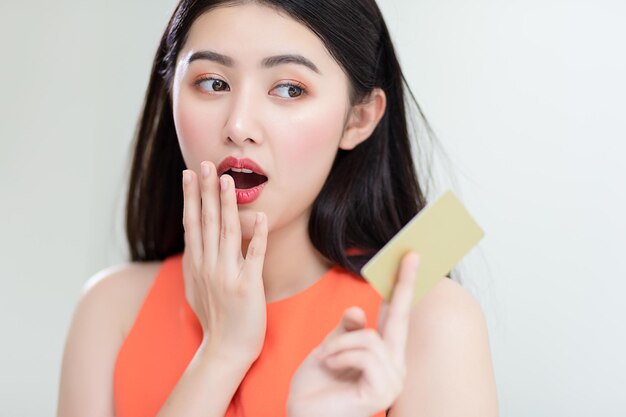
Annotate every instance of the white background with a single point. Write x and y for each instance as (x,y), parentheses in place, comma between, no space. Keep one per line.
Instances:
(527,97)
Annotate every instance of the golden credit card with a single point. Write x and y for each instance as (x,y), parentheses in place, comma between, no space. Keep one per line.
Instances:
(441,233)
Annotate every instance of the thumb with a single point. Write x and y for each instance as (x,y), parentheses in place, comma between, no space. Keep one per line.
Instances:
(353,318)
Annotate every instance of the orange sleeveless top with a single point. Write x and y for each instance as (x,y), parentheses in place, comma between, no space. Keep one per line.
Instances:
(167,333)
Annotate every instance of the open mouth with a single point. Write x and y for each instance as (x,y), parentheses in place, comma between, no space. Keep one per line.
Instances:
(245,178)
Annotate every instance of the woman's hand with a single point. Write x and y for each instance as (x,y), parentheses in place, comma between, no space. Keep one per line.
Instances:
(355,371)
(223,288)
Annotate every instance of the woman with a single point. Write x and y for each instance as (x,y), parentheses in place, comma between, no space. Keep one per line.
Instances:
(243,297)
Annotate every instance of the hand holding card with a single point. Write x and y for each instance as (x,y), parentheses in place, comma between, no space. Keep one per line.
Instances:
(441,233)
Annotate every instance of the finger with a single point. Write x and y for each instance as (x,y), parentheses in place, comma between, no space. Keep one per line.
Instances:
(361,339)
(382,316)
(255,256)
(210,213)
(361,360)
(353,319)
(396,326)
(230,228)
(383,379)
(191,216)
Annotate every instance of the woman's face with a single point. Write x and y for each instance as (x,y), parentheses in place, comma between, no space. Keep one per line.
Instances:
(231,98)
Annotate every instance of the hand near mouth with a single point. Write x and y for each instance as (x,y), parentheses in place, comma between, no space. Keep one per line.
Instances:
(224,289)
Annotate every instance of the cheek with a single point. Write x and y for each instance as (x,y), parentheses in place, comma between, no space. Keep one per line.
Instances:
(314,138)
(193,131)
(316,129)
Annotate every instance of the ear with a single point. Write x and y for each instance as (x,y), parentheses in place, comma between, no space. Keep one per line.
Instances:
(363,119)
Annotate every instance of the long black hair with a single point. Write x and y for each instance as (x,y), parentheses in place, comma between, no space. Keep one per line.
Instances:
(372,190)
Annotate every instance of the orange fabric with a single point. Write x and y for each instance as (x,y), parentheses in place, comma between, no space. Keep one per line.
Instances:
(167,333)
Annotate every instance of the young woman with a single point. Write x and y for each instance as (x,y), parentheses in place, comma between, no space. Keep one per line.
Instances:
(287,120)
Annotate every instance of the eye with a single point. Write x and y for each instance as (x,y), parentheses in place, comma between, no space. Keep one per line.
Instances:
(291,90)
(212,84)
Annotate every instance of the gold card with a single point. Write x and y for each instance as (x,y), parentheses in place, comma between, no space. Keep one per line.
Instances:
(441,233)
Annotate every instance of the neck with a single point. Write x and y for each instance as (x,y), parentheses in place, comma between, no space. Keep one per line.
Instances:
(291,261)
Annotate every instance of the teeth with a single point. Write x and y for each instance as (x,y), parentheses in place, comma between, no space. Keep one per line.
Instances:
(245,171)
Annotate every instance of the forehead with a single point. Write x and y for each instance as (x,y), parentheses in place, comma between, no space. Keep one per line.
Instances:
(250,32)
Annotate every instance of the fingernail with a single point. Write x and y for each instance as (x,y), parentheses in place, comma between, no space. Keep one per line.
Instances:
(224,182)
(186,177)
(204,168)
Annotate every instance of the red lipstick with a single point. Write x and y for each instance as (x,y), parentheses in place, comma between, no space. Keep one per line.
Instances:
(232,162)
(244,166)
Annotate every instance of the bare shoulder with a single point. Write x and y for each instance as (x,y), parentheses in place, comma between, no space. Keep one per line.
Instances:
(448,307)
(124,285)
(107,307)
(448,357)
(449,323)
(128,273)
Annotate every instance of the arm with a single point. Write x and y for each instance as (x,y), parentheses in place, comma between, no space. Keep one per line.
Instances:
(449,370)
(221,273)
(207,386)
(95,336)
(427,360)
(226,293)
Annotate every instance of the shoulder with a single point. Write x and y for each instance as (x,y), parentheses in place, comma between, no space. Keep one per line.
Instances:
(121,278)
(448,357)
(106,309)
(448,322)
(124,285)
(446,310)
(126,272)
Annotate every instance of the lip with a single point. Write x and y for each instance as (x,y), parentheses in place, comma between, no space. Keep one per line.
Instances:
(248,195)
(232,162)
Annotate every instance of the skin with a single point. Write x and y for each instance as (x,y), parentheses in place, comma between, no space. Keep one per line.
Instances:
(432,359)
(258,119)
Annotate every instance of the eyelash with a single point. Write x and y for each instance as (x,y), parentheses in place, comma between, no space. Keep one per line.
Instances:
(285,84)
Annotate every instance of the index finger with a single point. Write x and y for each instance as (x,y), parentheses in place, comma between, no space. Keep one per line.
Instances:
(230,234)
(396,326)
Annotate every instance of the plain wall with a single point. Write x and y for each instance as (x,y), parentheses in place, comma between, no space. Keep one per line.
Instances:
(527,99)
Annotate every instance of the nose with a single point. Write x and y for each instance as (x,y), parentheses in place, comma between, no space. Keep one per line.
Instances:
(242,123)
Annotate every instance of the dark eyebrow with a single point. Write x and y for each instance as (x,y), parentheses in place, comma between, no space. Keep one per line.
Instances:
(273,61)
(211,56)
(268,62)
